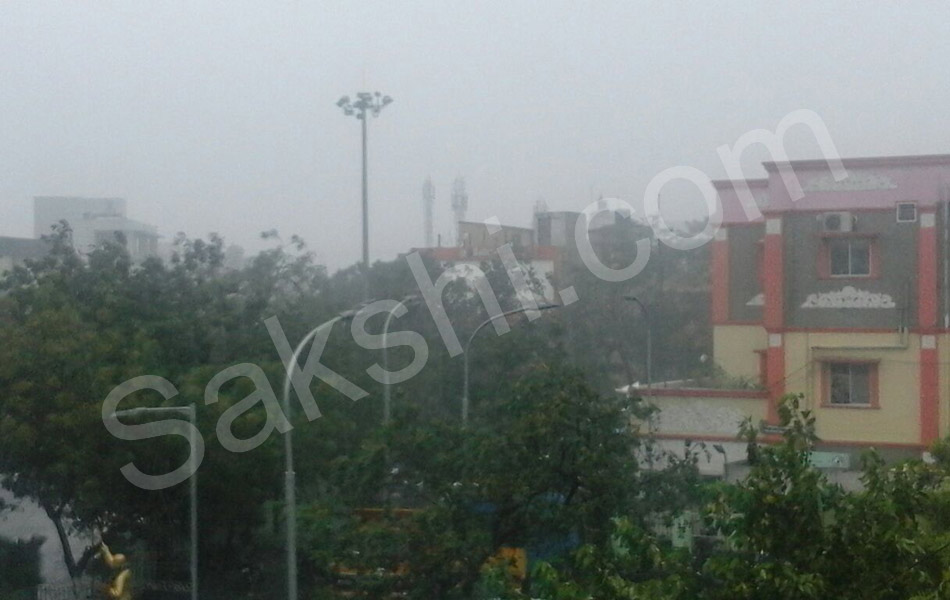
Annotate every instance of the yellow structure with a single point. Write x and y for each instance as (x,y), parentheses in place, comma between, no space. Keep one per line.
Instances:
(120,588)
(838,289)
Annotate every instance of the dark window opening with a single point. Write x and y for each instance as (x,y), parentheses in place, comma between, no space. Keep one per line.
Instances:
(849,383)
(850,258)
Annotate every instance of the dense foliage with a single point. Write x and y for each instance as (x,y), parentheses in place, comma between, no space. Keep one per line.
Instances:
(784,531)
(549,462)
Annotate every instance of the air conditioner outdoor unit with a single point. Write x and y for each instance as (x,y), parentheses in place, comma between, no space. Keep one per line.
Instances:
(839,222)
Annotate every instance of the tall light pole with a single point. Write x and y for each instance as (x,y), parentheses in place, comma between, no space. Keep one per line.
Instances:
(387,400)
(290,477)
(365,103)
(515,311)
(190,412)
(646,317)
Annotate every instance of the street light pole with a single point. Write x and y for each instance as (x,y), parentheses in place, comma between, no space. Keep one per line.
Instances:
(365,206)
(191,413)
(366,103)
(387,400)
(646,317)
(290,477)
(465,401)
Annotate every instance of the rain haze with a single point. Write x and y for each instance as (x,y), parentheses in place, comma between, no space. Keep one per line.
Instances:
(523,390)
(222,117)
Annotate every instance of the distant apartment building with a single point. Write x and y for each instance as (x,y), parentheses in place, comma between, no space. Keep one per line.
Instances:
(95,221)
(547,248)
(556,228)
(475,240)
(477,244)
(842,295)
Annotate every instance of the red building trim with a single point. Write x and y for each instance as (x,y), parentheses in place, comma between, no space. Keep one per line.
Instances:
(927,270)
(773,314)
(775,375)
(757,223)
(719,278)
(839,329)
(929,395)
(927,322)
(773,279)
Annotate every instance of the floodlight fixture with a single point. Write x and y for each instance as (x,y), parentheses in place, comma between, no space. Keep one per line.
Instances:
(366,102)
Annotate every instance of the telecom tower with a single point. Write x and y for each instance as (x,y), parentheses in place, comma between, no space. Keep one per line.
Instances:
(459,206)
(428,199)
(540,206)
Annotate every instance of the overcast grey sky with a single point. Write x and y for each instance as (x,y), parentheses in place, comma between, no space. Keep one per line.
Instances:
(220,116)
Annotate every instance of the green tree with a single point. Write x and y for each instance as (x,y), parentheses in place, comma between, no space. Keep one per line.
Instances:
(73,328)
(547,464)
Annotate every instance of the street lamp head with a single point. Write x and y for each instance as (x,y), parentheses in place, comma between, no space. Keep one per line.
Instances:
(387,100)
(345,100)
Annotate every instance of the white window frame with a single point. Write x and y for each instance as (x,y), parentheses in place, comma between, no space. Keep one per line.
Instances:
(849,241)
(870,384)
(898,212)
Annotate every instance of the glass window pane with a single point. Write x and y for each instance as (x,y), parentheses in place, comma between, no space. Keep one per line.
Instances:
(860,384)
(860,257)
(906,212)
(840,386)
(839,257)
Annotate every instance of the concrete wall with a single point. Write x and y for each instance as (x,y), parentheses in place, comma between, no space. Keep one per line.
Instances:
(734,349)
(745,252)
(476,241)
(705,413)
(894,248)
(895,421)
(49,210)
(556,229)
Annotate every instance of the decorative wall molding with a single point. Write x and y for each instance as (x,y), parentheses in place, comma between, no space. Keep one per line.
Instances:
(757,300)
(849,297)
(854,182)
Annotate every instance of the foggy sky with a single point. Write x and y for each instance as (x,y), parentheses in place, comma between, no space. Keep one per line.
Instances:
(222,117)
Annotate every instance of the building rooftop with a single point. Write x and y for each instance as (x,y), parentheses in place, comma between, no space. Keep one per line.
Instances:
(872,183)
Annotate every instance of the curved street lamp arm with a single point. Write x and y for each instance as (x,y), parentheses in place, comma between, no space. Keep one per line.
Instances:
(290,484)
(513,311)
(469,343)
(289,374)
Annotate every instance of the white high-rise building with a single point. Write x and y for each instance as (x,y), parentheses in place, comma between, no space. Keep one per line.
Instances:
(95,221)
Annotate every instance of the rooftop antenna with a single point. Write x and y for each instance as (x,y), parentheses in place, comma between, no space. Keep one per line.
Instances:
(428,199)
(459,206)
(540,206)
